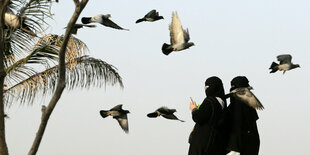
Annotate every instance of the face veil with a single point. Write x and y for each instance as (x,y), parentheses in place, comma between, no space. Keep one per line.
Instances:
(214,87)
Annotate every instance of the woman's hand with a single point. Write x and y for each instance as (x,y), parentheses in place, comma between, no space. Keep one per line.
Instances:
(192,105)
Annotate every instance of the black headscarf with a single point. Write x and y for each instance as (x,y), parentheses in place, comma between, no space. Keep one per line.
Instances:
(238,82)
(216,88)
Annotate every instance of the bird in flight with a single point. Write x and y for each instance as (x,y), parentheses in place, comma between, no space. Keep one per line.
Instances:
(102,19)
(150,17)
(245,95)
(178,37)
(285,64)
(165,112)
(119,114)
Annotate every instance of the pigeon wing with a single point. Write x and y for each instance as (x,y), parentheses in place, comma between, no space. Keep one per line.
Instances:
(123,122)
(253,101)
(165,110)
(186,35)
(246,96)
(109,23)
(176,30)
(91,26)
(78,26)
(116,108)
(284,59)
(173,117)
(152,13)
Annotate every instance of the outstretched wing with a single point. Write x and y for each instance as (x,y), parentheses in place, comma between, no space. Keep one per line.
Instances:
(123,122)
(284,59)
(116,108)
(186,35)
(172,116)
(152,13)
(109,23)
(165,110)
(176,30)
(245,95)
(77,26)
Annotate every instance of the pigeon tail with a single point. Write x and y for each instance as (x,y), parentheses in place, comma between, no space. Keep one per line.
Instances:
(273,67)
(140,20)
(166,49)
(104,113)
(86,20)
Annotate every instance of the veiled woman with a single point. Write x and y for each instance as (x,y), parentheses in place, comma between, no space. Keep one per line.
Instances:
(206,138)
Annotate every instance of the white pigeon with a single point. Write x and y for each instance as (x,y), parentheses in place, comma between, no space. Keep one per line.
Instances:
(178,36)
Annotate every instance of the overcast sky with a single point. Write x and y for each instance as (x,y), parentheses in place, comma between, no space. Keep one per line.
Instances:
(232,38)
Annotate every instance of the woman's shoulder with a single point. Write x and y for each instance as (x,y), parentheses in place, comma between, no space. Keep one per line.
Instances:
(210,101)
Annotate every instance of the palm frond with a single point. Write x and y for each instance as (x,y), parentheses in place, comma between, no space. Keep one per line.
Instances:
(31,14)
(37,10)
(75,48)
(43,54)
(87,72)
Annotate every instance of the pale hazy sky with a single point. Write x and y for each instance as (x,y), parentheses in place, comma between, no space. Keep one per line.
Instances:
(232,38)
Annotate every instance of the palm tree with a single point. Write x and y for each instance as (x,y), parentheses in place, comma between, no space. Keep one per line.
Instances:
(31,62)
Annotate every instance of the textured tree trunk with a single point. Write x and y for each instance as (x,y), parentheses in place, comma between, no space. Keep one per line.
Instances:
(3,146)
(61,84)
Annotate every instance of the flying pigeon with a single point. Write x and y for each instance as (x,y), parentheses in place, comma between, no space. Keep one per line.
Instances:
(78,26)
(178,37)
(285,64)
(119,114)
(102,19)
(245,95)
(150,17)
(15,22)
(165,112)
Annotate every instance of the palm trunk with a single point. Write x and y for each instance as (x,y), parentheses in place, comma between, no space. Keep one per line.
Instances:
(46,112)
(3,146)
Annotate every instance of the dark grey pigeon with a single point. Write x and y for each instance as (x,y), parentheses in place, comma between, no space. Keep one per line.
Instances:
(78,26)
(16,22)
(285,64)
(102,19)
(150,17)
(178,37)
(245,95)
(165,112)
(119,114)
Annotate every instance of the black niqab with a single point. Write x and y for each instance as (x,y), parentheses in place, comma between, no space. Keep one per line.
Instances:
(216,88)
